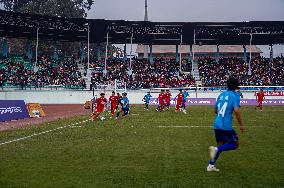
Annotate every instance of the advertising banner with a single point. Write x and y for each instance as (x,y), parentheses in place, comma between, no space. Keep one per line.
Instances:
(272,93)
(211,101)
(12,110)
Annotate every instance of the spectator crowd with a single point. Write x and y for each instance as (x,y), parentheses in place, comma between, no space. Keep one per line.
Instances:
(161,73)
(62,73)
(263,71)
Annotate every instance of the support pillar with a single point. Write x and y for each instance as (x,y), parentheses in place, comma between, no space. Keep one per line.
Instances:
(218,54)
(99,52)
(245,54)
(177,56)
(55,50)
(5,48)
(151,54)
(124,53)
(29,52)
(271,52)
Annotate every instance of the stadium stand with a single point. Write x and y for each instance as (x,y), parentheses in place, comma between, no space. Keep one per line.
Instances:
(264,72)
(162,73)
(16,72)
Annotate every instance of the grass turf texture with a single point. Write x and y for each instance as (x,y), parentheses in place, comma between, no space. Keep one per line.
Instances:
(135,152)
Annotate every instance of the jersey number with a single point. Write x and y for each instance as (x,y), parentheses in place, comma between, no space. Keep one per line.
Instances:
(222,110)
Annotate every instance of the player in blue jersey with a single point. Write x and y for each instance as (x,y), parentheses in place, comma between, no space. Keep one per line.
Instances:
(124,106)
(185,95)
(226,138)
(146,99)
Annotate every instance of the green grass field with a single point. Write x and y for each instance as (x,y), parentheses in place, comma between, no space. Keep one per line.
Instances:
(136,152)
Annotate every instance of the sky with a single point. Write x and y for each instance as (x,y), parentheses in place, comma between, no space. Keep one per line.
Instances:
(190,10)
(193,11)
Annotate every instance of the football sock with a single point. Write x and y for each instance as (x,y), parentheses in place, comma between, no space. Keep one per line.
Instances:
(224,147)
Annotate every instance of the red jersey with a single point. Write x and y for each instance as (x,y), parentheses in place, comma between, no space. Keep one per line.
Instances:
(167,97)
(161,98)
(101,103)
(113,100)
(179,97)
(260,96)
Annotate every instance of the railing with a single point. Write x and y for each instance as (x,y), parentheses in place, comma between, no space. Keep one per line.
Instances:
(39,88)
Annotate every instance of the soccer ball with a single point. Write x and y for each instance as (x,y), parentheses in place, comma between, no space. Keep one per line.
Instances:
(103,118)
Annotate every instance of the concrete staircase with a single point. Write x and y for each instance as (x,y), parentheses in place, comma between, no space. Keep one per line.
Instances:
(88,76)
(195,73)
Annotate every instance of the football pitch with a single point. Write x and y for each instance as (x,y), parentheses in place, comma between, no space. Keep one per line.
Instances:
(145,149)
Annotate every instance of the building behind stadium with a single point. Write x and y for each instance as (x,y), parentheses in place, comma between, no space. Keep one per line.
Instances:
(169,51)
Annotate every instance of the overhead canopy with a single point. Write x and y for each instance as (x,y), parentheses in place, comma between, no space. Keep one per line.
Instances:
(18,25)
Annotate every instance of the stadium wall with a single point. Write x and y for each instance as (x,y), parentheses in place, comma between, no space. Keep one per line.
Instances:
(80,97)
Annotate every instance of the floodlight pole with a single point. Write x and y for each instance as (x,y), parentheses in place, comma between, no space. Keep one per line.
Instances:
(88,46)
(131,42)
(180,53)
(106,54)
(250,41)
(37,30)
(193,52)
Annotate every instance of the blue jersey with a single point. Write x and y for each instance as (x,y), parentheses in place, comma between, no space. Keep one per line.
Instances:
(125,102)
(147,98)
(238,95)
(185,95)
(225,105)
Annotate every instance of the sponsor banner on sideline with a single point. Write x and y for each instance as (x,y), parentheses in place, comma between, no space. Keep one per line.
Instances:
(211,101)
(12,110)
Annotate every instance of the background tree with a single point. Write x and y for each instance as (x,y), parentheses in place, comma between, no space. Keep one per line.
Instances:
(64,8)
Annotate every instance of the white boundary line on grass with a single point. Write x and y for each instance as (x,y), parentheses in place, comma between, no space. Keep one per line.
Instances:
(197,126)
(72,125)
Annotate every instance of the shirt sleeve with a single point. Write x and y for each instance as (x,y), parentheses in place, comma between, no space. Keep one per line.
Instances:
(216,103)
(236,102)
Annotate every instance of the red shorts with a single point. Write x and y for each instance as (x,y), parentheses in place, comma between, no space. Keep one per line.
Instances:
(168,103)
(161,103)
(99,110)
(259,103)
(178,105)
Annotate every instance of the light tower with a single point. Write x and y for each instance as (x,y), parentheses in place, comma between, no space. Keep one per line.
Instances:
(146,19)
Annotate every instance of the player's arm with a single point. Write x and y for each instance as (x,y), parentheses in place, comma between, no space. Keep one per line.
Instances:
(239,119)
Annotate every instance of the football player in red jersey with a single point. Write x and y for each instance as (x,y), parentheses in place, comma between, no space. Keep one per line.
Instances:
(161,101)
(260,98)
(179,99)
(168,99)
(100,106)
(113,100)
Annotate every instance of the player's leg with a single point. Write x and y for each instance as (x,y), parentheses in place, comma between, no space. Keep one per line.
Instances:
(227,140)
(95,115)
(117,113)
(177,107)
(147,105)
(260,106)
(112,109)
(125,111)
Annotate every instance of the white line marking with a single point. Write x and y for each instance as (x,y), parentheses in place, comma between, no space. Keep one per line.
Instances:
(196,126)
(193,126)
(44,132)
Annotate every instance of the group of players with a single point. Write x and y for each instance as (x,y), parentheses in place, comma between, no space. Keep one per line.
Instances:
(118,104)
(164,100)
